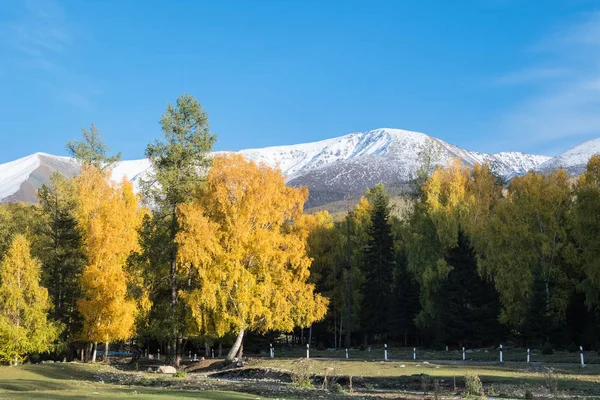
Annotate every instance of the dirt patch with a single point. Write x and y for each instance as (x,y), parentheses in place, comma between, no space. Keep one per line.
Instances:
(255,374)
(204,366)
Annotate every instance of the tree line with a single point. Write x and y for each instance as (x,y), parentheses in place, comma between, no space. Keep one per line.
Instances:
(473,262)
(211,248)
(217,249)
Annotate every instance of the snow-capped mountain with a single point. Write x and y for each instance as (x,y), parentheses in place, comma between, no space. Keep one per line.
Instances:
(574,161)
(330,168)
(20,179)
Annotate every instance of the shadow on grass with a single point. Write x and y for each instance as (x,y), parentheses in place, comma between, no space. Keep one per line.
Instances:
(25,385)
(130,393)
(62,371)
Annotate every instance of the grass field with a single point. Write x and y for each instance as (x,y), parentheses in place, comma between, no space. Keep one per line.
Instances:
(263,378)
(78,381)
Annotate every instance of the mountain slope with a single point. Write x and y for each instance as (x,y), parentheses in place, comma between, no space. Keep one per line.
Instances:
(20,179)
(574,161)
(331,168)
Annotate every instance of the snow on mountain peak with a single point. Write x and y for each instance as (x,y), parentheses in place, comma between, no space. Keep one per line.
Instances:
(339,165)
(574,161)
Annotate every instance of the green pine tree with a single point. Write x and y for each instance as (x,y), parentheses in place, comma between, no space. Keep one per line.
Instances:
(179,162)
(379,260)
(470,305)
(62,254)
(92,150)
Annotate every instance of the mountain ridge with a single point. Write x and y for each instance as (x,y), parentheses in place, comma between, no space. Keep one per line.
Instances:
(331,168)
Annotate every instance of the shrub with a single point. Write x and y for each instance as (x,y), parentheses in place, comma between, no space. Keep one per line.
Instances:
(179,374)
(528,395)
(473,386)
(547,349)
(303,377)
(337,388)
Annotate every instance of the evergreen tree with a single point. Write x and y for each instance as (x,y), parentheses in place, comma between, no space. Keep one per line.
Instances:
(379,259)
(405,301)
(179,164)
(470,306)
(324,248)
(24,305)
(92,150)
(62,254)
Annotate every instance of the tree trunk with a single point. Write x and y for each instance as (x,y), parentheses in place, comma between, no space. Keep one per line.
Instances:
(172,356)
(106,352)
(240,353)
(220,350)
(82,354)
(236,346)
(206,349)
(178,350)
(94,352)
(310,335)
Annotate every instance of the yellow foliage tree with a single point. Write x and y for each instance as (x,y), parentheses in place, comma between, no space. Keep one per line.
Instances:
(109,217)
(245,236)
(24,305)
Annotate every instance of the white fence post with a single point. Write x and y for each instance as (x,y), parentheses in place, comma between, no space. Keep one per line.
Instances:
(464,355)
(307,350)
(414,353)
(501,353)
(346,353)
(528,357)
(581,356)
(385,352)
(158,355)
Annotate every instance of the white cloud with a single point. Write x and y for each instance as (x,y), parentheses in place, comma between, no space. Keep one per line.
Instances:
(532,75)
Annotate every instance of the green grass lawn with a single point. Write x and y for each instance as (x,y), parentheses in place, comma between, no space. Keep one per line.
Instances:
(77,381)
(370,379)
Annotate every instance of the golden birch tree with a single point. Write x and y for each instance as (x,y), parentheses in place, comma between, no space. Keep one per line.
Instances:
(24,305)
(244,235)
(109,217)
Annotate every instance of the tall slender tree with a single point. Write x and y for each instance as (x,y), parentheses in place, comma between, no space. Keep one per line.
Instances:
(109,216)
(379,260)
(62,254)
(179,162)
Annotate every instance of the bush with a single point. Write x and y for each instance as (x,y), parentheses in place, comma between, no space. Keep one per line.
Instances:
(337,388)
(528,395)
(473,386)
(179,374)
(302,378)
(547,349)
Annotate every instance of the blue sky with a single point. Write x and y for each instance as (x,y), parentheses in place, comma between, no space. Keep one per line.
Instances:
(487,75)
